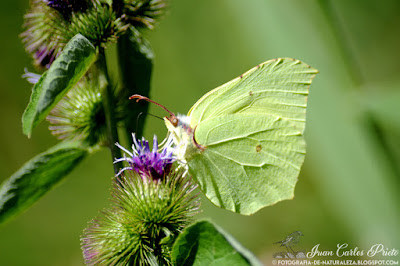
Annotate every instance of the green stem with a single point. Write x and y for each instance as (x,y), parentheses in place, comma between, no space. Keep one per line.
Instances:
(107,95)
(135,58)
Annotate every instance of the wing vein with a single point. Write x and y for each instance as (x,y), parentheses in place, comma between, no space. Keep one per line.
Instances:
(226,178)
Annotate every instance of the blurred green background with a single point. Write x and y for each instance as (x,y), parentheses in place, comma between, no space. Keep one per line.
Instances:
(347,188)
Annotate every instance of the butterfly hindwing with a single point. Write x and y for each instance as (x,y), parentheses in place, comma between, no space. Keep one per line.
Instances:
(251,161)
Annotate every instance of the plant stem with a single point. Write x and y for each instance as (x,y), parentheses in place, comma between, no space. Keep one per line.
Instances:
(348,56)
(107,95)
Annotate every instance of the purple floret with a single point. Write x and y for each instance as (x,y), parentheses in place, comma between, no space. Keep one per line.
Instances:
(67,6)
(45,56)
(31,77)
(145,162)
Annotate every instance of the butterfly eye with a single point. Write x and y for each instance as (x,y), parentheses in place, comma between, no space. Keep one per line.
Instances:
(174,120)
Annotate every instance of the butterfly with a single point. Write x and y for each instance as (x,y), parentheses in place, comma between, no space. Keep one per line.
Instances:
(243,141)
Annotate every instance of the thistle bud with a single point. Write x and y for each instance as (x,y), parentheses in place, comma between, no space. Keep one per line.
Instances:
(50,24)
(80,114)
(143,13)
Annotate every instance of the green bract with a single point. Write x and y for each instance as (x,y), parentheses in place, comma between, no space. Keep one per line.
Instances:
(244,144)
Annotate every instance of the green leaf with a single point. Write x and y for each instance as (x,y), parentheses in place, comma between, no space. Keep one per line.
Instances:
(30,111)
(136,64)
(74,61)
(37,177)
(204,243)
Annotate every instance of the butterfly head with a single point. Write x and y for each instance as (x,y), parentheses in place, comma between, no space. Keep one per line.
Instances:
(179,130)
(174,120)
(182,135)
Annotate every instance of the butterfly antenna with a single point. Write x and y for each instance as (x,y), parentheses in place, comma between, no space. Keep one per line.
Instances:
(156,116)
(142,113)
(140,97)
(137,119)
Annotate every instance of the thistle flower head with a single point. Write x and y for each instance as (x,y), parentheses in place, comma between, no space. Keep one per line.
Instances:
(80,114)
(43,24)
(99,24)
(143,222)
(50,24)
(148,163)
(143,13)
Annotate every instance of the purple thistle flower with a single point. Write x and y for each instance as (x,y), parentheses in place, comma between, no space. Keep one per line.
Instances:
(148,164)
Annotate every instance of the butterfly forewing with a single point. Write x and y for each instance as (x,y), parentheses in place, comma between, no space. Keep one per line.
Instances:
(277,87)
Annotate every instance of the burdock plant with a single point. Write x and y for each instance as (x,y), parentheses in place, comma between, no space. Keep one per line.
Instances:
(150,219)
